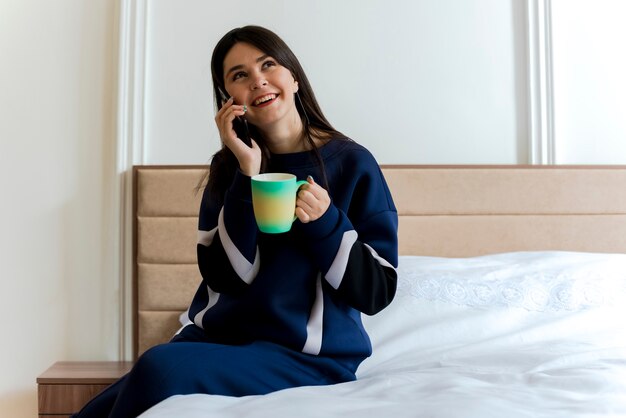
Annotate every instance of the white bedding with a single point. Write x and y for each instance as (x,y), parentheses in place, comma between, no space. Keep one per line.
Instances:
(528,334)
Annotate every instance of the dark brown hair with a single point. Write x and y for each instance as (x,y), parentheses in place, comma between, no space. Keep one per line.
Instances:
(224,163)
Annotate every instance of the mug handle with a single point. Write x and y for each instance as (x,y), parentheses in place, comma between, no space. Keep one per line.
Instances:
(298,185)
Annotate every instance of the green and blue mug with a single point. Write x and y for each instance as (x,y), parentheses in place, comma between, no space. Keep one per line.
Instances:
(274,201)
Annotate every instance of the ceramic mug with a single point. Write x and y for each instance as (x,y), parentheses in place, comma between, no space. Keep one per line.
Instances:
(274,201)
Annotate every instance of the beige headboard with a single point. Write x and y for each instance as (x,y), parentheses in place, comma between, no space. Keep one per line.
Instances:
(449,211)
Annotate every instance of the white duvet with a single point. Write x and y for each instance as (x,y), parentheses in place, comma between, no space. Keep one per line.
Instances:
(530,334)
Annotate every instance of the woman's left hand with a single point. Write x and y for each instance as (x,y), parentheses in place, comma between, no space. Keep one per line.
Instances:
(312,201)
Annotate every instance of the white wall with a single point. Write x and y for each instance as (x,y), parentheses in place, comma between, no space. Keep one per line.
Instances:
(416,81)
(58,284)
(589,81)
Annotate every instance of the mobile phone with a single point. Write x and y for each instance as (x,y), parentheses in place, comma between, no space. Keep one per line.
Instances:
(223,96)
(240,124)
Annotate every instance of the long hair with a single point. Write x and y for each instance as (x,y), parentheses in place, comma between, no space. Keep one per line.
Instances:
(224,163)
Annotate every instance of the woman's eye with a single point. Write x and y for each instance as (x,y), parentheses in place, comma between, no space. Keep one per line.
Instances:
(238,75)
(269,63)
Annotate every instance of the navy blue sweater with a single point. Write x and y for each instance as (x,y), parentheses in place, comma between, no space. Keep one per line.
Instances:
(304,289)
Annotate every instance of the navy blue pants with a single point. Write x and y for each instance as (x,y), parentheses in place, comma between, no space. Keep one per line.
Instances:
(190,364)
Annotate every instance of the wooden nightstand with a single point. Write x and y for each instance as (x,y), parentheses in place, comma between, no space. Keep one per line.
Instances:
(68,385)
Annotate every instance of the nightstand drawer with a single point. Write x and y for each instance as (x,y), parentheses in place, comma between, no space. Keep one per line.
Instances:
(66,387)
(65,399)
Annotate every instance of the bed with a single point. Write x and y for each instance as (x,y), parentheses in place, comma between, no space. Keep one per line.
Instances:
(510,302)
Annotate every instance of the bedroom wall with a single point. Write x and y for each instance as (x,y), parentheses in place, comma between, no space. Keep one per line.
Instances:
(589,82)
(441,81)
(58,282)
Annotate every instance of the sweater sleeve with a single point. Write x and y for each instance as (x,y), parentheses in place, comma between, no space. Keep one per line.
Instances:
(357,251)
(228,256)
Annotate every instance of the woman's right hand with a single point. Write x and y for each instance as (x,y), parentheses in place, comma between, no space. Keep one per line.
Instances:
(249,157)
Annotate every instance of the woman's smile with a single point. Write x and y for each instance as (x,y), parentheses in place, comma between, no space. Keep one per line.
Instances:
(264,100)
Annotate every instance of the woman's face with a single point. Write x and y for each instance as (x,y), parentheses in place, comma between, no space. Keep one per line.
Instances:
(255,79)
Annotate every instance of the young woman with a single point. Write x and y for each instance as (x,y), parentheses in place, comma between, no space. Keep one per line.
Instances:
(274,311)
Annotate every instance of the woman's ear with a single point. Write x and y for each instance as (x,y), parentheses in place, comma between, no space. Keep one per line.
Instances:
(295,86)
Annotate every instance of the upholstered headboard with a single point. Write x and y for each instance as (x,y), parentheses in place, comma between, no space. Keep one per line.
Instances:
(449,211)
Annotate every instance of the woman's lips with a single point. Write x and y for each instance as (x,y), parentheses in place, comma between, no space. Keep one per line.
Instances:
(264,100)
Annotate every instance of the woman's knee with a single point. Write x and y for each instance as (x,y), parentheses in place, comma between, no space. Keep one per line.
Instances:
(153,363)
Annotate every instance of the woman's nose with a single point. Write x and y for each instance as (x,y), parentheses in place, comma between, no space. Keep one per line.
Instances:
(258,81)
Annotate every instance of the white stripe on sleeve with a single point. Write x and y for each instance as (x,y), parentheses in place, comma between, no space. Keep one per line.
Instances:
(245,270)
(213,297)
(315,325)
(206,237)
(378,258)
(338,268)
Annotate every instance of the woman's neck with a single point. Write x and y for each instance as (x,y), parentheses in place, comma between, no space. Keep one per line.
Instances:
(286,138)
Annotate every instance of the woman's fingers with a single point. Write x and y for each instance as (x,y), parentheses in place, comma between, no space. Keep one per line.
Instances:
(249,157)
(224,120)
(312,202)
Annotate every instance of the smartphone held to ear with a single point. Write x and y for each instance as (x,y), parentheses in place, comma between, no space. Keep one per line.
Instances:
(240,124)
